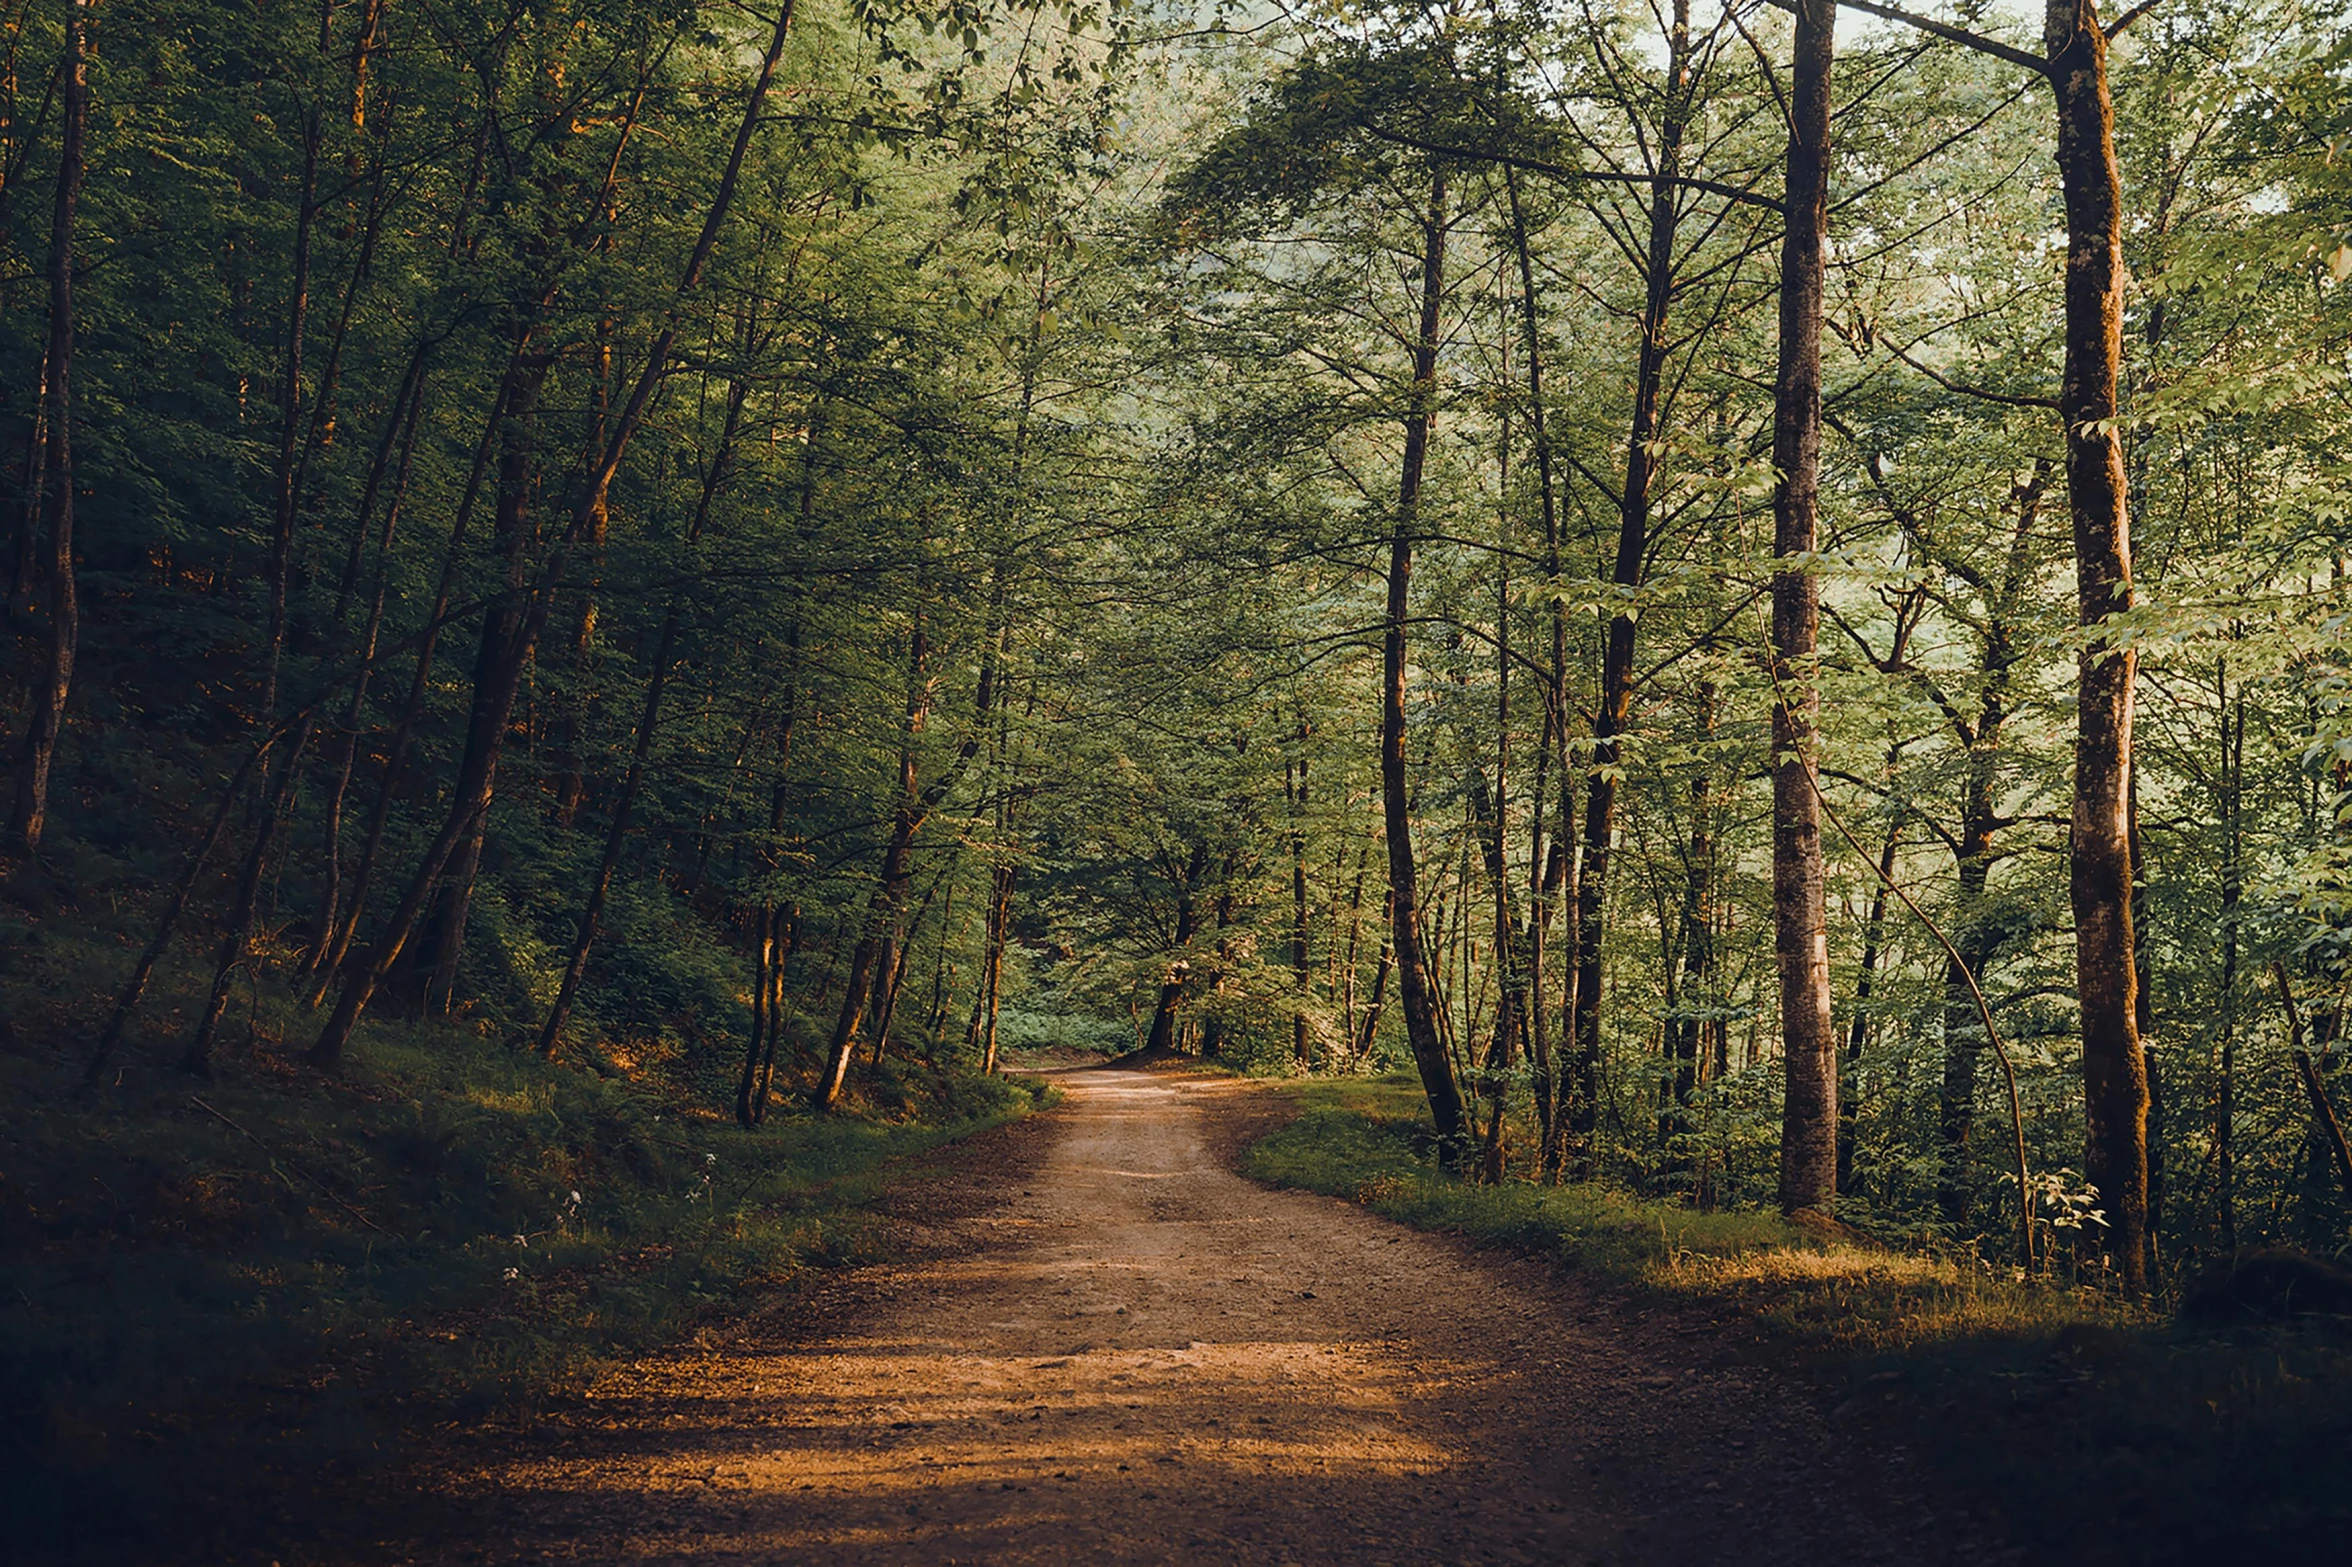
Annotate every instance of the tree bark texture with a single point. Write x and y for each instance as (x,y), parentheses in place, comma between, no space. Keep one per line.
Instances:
(2231,776)
(1809,1119)
(2115,1073)
(981,1036)
(1413,982)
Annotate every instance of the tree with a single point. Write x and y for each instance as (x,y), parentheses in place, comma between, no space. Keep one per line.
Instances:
(1808,1157)
(36,756)
(2115,1069)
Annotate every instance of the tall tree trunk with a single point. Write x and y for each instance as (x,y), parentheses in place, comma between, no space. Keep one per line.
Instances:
(281,559)
(1548,871)
(1377,999)
(2115,1072)
(324,414)
(2144,1014)
(890,972)
(469,800)
(615,838)
(763,954)
(1301,957)
(865,958)
(2231,774)
(1345,958)
(1543,1058)
(980,1032)
(1413,983)
(572,722)
(236,940)
(772,952)
(980,1038)
(624,808)
(884,1007)
(1010,799)
(1975,942)
(943,974)
(898,946)
(1809,1118)
(24,568)
(1488,811)
(1510,1019)
(1567,890)
(1615,706)
(503,654)
(337,948)
(1865,988)
(783,951)
(1163,1025)
(37,755)
(1696,988)
(403,428)
(366,40)
(471,796)
(915,804)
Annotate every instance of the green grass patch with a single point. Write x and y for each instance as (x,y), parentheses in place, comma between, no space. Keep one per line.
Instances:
(1368,1140)
(2100,1433)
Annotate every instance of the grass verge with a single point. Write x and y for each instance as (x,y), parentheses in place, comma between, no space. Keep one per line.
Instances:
(217,1295)
(2099,1434)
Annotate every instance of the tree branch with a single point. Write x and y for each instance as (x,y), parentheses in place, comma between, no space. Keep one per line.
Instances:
(1561,171)
(2012,399)
(1945,30)
(2116,27)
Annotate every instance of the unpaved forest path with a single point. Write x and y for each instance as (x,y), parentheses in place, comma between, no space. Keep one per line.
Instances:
(1134,1355)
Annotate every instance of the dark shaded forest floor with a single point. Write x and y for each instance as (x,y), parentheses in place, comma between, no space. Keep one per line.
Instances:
(1100,1344)
(231,1307)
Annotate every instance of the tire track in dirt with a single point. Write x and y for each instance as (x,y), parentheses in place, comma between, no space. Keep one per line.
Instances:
(1138,1356)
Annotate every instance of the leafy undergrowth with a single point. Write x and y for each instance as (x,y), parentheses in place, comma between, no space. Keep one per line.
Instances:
(213,1294)
(2100,1434)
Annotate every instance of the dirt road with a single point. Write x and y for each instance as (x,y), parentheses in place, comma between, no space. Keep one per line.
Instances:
(1137,1356)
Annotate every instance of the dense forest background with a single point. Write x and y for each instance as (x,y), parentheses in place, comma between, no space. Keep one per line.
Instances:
(776,559)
